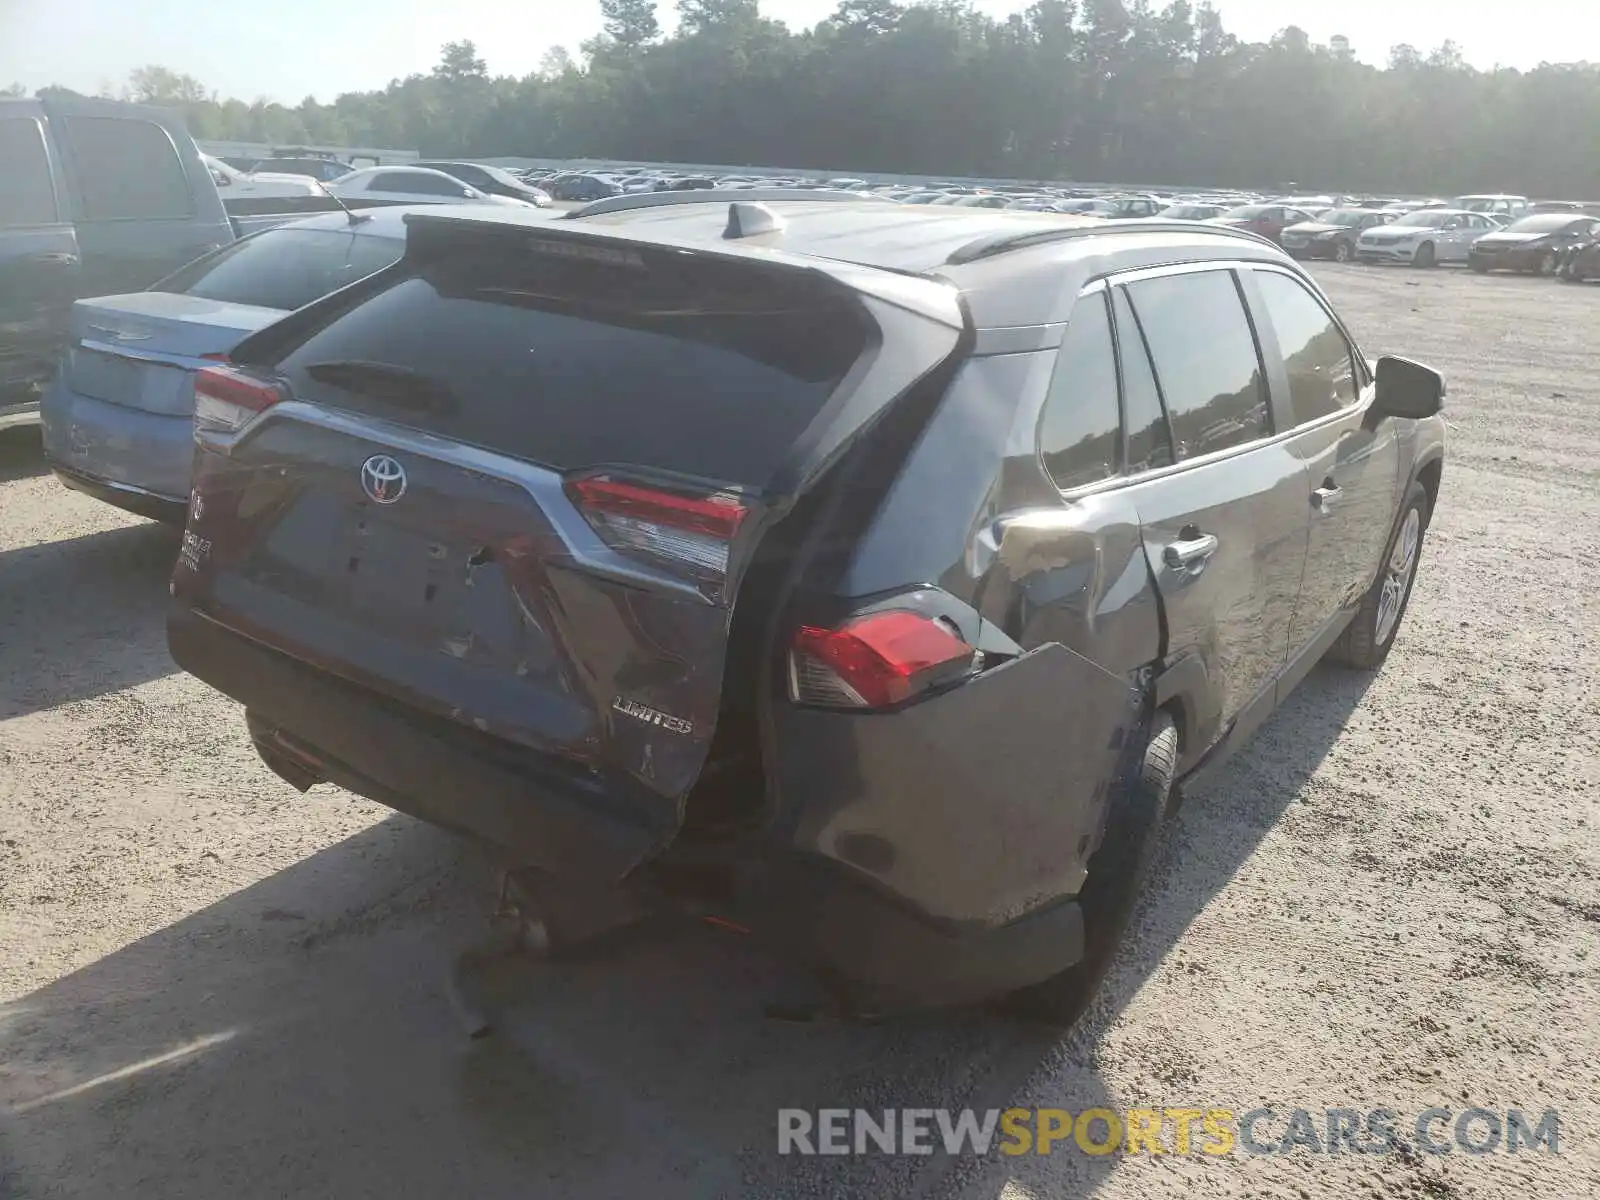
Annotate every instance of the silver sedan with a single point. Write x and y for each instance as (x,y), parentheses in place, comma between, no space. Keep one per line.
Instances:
(1425,237)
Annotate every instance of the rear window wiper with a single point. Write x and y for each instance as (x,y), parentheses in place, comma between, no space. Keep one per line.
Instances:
(399,386)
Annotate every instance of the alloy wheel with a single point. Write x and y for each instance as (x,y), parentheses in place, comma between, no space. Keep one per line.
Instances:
(1397,574)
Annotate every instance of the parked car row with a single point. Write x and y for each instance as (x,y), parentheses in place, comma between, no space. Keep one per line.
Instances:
(96,198)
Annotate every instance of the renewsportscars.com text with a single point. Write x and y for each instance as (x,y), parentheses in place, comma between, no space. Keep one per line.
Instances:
(1198,1131)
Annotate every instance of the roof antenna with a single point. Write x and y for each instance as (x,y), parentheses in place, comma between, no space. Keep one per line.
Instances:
(746,219)
(355,217)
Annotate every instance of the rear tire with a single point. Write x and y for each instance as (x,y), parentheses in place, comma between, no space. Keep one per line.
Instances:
(1424,256)
(1117,871)
(1368,638)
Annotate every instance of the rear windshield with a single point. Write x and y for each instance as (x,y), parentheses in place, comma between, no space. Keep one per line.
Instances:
(285,268)
(1544,223)
(688,364)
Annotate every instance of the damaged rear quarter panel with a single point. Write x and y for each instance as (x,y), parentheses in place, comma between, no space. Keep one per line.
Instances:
(982,804)
(975,806)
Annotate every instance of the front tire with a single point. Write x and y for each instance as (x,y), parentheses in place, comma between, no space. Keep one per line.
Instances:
(1117,871)
(1424,256)
(1368,638)
(1343,252)
(1547,264)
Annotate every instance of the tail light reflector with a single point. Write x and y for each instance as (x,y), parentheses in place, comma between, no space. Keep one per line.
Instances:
(693,533)
(226,400)
(876,661)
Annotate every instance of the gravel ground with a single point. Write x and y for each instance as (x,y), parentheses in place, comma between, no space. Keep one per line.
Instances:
(214,986)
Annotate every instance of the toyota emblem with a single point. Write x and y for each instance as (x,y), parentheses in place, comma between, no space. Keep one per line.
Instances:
(383,479)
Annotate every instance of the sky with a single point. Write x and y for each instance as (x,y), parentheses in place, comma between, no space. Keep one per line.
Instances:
(288,49)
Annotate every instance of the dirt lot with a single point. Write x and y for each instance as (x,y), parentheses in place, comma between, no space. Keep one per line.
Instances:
(217,987)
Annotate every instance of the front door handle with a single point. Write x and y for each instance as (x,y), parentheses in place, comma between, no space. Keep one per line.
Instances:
(1326,498)
(1190,554)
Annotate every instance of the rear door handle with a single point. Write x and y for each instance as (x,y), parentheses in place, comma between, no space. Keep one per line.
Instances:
(1326,498)
(1190,554)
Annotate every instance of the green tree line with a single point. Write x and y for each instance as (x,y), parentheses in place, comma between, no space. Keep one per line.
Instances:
(1090,90)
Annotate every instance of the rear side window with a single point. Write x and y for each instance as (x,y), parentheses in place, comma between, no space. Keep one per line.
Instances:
(27,193)
(128,170)
(1149,439)
(284,268)
(692,365)
(1205,359)
(1081,426)
(417,184)
(1322,373)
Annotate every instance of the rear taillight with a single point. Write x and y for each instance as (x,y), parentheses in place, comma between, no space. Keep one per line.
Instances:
(690,532)
(226,400)
(876,661)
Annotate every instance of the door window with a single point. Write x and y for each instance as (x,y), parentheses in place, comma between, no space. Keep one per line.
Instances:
(415,183)
(1149,439)
(433,185)
(1081,426)
(128,170)
(27,193)
(1321,365)
(1205,359)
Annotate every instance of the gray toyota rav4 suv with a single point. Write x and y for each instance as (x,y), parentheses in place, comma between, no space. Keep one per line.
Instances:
(863,576)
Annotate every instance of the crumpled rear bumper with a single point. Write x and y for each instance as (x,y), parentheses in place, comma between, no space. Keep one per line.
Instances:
(926,856)
(970,816)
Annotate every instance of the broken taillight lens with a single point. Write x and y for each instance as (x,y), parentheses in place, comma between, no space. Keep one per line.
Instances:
(226,400)
(690,532)
(876,661)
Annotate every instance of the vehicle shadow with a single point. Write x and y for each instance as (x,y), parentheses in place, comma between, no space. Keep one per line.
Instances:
(1217,829)
(106,592)
(21,453)
(296,1037)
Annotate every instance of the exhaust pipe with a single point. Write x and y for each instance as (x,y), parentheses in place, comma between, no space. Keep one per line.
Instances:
(283,758)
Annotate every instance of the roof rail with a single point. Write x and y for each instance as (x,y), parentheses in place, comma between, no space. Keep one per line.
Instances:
(1021,239)
(611,204)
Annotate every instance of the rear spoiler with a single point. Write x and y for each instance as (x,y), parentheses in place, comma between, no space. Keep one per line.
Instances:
(933,299)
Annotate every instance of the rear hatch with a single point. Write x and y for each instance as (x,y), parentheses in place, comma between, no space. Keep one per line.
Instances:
(514,484)
(139,350)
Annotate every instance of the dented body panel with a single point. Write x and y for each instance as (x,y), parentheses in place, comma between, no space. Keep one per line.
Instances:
(976,807)
(606,717)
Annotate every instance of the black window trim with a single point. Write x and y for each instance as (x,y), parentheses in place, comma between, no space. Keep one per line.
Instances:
(1262,364)
(1237,267)
(1122,376)
(1120,467)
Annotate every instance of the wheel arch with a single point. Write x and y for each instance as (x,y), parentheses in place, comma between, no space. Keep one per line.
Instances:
(1429,473)
(1180,690)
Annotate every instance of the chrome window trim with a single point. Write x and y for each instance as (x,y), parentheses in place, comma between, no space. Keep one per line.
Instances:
(1118,278)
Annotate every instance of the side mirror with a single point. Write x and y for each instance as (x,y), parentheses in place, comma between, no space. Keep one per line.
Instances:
(1407,389)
